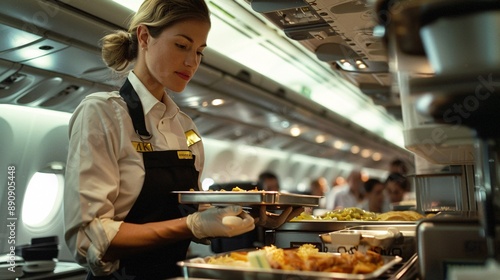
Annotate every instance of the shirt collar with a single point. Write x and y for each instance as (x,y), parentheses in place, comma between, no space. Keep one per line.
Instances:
(147,99)
(172,108)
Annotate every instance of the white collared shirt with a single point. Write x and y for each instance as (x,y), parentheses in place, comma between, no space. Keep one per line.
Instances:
(104,172)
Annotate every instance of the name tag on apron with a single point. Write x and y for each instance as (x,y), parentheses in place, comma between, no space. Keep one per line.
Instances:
(192,138)
(142,146)
(184,155)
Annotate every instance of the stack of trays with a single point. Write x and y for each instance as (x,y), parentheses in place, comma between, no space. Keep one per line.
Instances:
(40,255)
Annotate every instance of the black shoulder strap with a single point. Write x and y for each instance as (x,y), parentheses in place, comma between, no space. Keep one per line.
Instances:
(135,109)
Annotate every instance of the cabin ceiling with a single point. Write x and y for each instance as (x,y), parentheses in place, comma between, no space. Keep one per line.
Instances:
(342,34)
(52,61)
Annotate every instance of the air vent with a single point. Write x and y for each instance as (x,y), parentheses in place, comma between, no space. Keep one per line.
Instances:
(244,76)
(9,81)
(39,92)
(61,96)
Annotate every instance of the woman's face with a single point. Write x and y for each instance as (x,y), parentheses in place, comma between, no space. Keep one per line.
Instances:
(171,59)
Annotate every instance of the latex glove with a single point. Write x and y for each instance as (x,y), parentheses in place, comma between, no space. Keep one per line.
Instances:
(220,222)
(272,221)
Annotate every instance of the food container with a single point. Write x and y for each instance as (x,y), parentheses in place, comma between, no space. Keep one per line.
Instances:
(454,35)
(393,240)
(199,268)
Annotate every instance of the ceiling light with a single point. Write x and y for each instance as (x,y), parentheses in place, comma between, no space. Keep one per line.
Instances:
(355,149)
(285,124)
(365,153)
(295,131)
(338,144)
(376,156)
(320,138)
(217,102)
(132,5)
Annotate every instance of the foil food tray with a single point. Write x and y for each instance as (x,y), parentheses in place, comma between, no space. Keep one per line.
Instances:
(247,198)
(198,267)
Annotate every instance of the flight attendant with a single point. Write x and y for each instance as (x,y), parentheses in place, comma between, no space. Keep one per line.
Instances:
(129,149)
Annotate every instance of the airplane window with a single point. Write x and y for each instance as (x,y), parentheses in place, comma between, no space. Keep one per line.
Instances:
(42,199)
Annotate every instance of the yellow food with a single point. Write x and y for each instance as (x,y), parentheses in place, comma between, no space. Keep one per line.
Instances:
(357,214)
(238,189)
(346,214)
(400,216)
(308,258)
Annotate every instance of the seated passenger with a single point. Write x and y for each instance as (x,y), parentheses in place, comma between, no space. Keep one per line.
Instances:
(375,200)
(397,186)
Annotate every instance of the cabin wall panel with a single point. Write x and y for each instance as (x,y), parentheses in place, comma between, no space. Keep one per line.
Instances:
(31,140)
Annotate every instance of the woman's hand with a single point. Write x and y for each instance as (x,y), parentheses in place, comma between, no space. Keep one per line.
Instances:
(272,221)
(220,222)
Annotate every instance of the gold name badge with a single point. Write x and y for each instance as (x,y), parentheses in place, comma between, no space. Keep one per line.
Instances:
(184,155)
(192,138)
(142,146)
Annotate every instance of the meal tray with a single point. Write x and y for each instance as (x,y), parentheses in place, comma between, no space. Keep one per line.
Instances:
(198,267)
(247,198)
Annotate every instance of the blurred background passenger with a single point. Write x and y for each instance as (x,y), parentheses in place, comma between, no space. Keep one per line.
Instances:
(398,166)
(318,187)
(268,181)
(338,181)
(397,186)
(350,194)
(375,199)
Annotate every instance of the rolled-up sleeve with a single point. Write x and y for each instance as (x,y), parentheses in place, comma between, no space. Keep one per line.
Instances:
(99,243)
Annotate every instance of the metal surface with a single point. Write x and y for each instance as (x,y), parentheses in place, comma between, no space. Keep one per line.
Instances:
(408,270)
(450,242)
(402,241)
(198,268)
(322,226)
(247,198)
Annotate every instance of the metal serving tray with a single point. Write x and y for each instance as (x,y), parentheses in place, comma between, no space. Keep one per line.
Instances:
(199,268)
(247,198)
(323,226)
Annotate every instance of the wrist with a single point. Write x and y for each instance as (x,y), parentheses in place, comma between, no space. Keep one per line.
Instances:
(192,222)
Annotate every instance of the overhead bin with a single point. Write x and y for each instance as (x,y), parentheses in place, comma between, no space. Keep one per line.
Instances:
(15,38)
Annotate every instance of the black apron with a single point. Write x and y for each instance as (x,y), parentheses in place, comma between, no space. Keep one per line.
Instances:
(166,171)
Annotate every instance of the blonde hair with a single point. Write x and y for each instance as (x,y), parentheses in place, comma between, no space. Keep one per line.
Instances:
(120,48)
